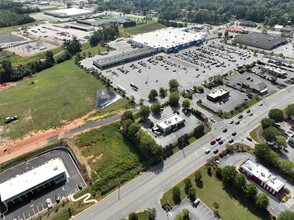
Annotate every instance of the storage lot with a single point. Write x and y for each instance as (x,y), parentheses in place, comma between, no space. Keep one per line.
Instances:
(37,203)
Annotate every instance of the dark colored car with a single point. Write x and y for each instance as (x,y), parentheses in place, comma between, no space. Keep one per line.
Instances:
(215,151)
(234,133)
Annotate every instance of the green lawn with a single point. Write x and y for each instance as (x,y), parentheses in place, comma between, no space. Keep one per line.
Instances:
(212,191)
(61,93)
(141,28)
(256,134)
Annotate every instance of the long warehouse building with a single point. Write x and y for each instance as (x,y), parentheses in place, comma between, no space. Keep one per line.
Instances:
(122,58)
(24,185)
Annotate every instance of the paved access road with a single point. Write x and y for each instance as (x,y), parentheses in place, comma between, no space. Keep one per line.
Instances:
(145,191)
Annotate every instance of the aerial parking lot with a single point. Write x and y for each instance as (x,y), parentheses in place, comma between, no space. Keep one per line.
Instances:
(37,202)
(190,66)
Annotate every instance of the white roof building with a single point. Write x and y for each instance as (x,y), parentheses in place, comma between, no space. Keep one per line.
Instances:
(167,38)
(68,12)
(278,27)
(26,182)
(170,122)
(262,176)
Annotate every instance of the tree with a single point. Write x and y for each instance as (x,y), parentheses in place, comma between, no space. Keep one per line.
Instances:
(173,85)
(267,122)
(188,185)
(290,111)
(286,215)
(186,213)
(240,182)
(250,192)
(270,134)
(281,141)
(229,174)
(162,92)
(186,103)
(200,89)
(176,195)
(132,131)
(147,145)
(73,46)
(262,201)
(133,216)
(174,98)
(198,177)
(265,154)
(49,59)
(152,214)
(219,34)
(152,94)
(155,108)
(7,71)
(277,115)
(127,115)
(144,112)
(192,193)
(198,131)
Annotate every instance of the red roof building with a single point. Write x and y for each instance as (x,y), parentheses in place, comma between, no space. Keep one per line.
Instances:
(235,30)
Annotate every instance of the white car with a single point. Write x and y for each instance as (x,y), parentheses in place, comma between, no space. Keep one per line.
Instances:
(207,151)
(49,203)
(196,202)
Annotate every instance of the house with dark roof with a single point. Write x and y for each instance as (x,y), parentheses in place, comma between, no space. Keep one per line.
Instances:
(262,41)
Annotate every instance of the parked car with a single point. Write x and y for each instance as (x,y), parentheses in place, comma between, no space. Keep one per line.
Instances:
(196,202)
(240,116)
(215,151)
(231,140)
(10,119)
(49,203)
(225,130)
(232,121)
(57,198)
(80,186)
(234,133)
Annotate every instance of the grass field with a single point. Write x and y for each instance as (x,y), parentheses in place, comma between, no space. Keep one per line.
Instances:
(142,28)
(61,93)
(212,191)
(256,134)
(110,155)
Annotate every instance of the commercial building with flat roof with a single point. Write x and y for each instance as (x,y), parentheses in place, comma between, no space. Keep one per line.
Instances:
(273,71)
(68,12)
(31,182)
(262,176)
(98,23)
(107,62)
(170,123)
(262,41)
(167,39)
(218,94)
(81,27)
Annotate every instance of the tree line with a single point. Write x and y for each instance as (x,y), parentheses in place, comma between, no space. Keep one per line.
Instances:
(8,73)
(14,13)
(106,33)
(269,12)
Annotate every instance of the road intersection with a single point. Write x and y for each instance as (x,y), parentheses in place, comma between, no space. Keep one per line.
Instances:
(145,191)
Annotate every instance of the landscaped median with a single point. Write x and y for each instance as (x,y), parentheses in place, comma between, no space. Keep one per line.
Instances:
(210,190)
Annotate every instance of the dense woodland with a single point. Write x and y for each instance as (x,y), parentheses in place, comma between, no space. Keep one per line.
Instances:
(13,13)
(269,12)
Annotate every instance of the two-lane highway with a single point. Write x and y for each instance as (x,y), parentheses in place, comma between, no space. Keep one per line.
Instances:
(145,190)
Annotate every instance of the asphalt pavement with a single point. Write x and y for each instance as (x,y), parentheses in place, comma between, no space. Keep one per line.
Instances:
(145,191)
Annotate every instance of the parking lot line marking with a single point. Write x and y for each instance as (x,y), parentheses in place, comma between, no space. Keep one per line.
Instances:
(42,206)
(171,214)
(24,217)
(34,211)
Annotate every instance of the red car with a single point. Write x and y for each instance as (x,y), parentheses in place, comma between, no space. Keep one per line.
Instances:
(212,142)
